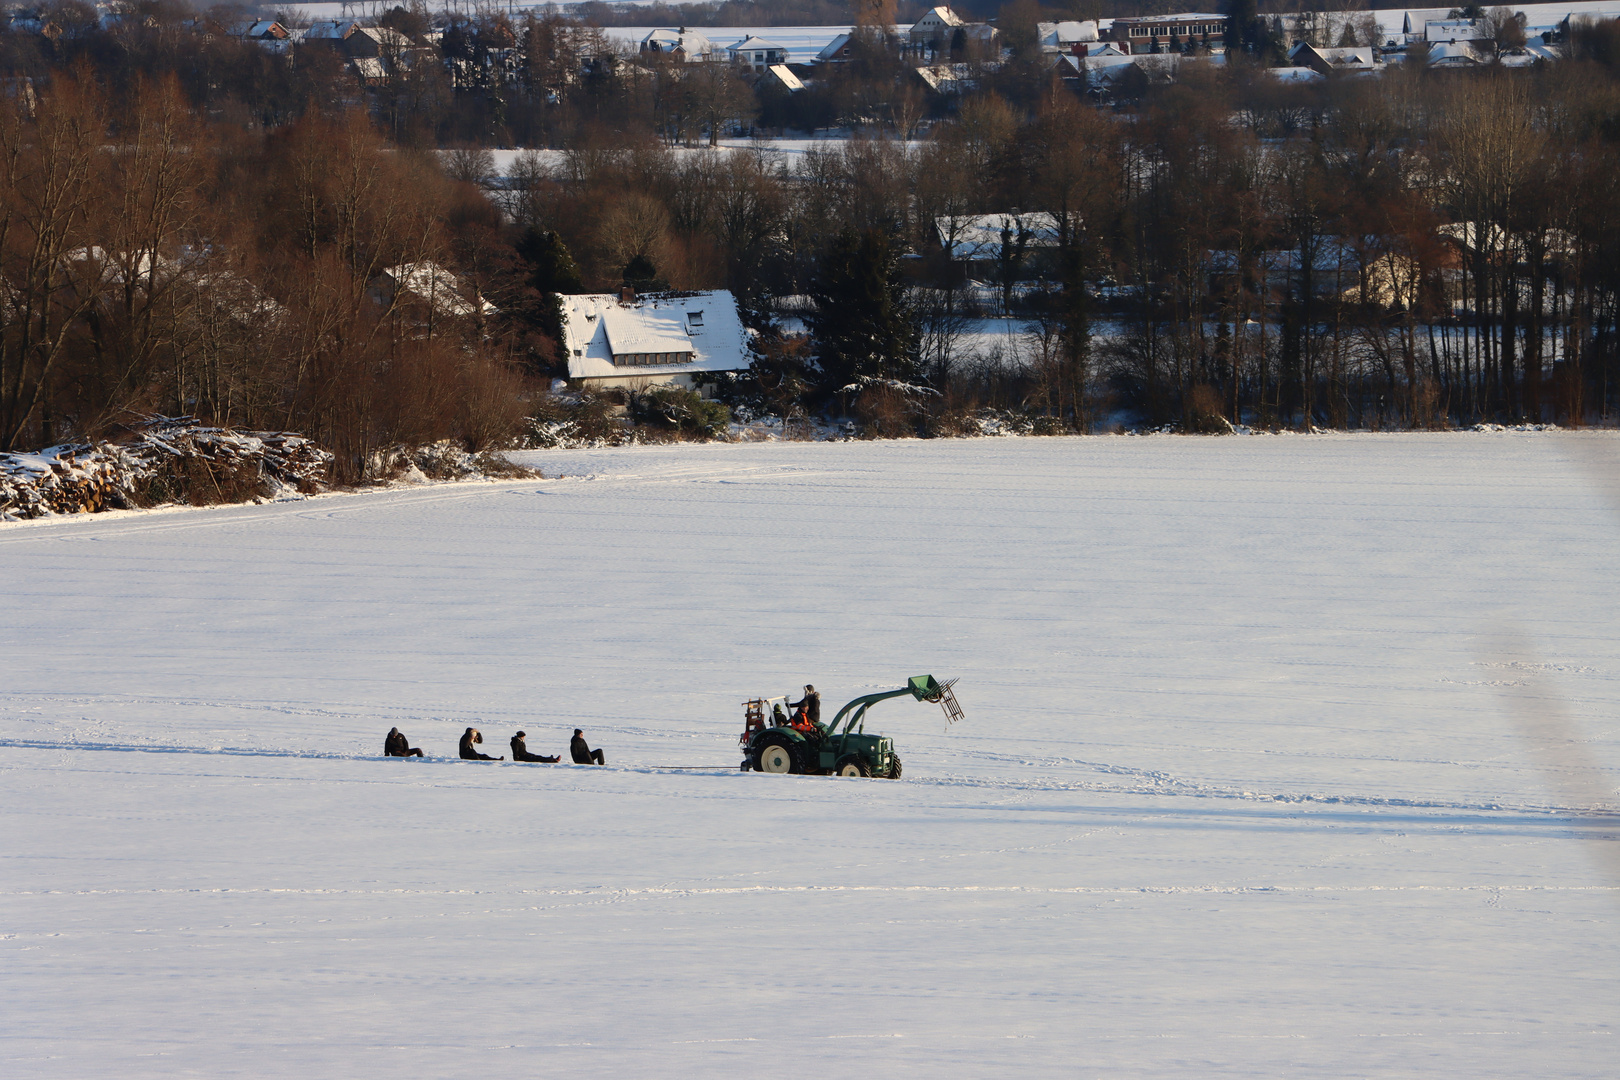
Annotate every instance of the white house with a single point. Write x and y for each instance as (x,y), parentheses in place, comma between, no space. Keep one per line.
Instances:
(757,53)
(935,28)
(657,339)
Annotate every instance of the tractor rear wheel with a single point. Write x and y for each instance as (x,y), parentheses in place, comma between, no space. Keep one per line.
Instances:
(850,765)
(894,770)
(776,755)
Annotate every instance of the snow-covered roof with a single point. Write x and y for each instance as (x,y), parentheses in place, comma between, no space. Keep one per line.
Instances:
(979,236)
(1361,56)
(781,73)
(1417,19)
(948,78)
(260,28)
(703,328)
(1455,54)
(1294,74)
(1456,30)
(831,50)
(431,282)
(370,68)
(331,30)
(940,16)
(385,35)
(754,44)
(692,43)
(1184,17)
(1060,35)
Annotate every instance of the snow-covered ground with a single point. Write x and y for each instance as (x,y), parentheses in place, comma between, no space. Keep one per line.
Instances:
(1237,793)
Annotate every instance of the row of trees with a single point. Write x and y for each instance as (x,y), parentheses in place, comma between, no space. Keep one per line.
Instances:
(155,263)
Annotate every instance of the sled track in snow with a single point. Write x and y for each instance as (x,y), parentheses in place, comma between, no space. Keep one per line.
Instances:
(1160,785)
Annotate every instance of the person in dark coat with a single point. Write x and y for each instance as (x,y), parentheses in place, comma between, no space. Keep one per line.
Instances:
(583,754)
(470,736)
(397,745)
(810,703)
(520,751)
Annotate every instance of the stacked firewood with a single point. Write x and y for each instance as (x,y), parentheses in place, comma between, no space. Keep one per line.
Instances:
(162,460)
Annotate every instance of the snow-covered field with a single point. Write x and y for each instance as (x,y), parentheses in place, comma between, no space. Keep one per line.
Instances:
(1237,793)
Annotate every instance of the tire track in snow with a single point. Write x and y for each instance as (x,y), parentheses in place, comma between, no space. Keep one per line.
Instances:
(1159,785)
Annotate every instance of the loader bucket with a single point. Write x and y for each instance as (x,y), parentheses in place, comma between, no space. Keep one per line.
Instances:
(927,688)
(924,688)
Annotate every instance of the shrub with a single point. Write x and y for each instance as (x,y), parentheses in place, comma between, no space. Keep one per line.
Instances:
(684,411)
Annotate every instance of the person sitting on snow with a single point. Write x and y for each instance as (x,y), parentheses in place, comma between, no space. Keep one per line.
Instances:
(581,752)
(470,736)
(397,745)
(520,751)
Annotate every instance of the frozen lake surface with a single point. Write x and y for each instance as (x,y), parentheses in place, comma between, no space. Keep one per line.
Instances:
(1237,793)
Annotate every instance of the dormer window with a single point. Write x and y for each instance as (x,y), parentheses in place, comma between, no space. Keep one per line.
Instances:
(694,320)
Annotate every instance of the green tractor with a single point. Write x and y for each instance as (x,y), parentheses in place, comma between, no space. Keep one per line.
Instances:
(841,748)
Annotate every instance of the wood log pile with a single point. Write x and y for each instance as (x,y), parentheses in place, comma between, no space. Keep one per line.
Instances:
(162,460)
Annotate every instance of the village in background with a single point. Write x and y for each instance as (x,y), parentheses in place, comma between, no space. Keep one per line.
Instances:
(469,229)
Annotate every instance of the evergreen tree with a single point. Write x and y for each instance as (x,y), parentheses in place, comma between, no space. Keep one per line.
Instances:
(861,327)
(1243,32)
(551,271)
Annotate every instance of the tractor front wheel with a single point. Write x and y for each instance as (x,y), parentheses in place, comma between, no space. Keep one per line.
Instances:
(850,765)
(894,769)
(776,755)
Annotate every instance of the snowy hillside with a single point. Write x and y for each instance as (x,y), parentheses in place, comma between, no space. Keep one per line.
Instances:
(1237,793)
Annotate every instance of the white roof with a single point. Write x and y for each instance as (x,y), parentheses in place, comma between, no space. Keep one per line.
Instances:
(1191,16)
(979,236)
(1364,56)
(438,286)
(831,50)
(1415,20)
(751,43)
(786,77)
(947,78)
(689,41)
(1294,74)
(331,30)
(598,326)
(1454,54)
(942,15)
(1061,34)
(1456,30)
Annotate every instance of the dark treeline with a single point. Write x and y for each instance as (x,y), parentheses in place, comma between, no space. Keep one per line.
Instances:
(192,225)
(153,262)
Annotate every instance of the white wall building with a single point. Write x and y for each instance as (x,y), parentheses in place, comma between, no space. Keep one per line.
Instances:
(658,339)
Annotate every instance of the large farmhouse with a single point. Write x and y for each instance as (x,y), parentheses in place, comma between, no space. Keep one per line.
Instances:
(658,339)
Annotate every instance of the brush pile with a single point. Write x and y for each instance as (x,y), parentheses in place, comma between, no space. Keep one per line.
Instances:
(159,461)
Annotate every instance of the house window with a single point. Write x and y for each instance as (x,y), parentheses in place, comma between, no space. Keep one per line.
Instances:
(694,319)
